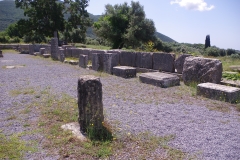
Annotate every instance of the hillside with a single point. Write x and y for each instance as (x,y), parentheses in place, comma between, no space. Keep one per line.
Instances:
(10,14)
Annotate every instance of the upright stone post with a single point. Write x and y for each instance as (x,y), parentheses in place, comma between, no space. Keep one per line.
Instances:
(54,47)
(90,105)
(1,55)
(61,55)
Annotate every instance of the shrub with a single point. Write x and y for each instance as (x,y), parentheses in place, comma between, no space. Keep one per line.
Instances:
(212,51)
(235,56)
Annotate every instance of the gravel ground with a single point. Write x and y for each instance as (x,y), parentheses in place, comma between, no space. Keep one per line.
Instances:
(199,127)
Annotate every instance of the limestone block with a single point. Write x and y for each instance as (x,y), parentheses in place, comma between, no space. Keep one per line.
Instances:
(87,52)
(164,62)
(110,60)
(1,55)
(219,92)
(90,103)
(46,55)
(73,62)
(117,53)
(201,70)
(144,60)
(83,61)
(97,61)
(61,55)
(124,71)
(163,80)
(31,49)
(76,52)
(127,58)
(179,62)
(54,48)
(42,51)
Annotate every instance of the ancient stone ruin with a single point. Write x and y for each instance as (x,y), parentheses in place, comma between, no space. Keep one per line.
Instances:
(90,104)
(1,55)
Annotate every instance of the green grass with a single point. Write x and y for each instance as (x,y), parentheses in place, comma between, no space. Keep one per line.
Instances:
(228,61)
(93,46)
(13,147)
(9,51)
(25,91)
(231,76)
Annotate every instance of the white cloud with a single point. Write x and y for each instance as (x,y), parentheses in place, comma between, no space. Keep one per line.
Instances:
(198,5)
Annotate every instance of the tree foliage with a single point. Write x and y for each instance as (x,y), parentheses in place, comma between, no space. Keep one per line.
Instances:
(125,25)
(46,16)
(207,41)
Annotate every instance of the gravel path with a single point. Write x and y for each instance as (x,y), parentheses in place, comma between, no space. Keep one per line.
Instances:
(200,129)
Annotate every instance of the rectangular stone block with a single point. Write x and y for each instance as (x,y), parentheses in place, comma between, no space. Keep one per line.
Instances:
(87,52)
(163,80)
(164,62)
(110,60)
(54,48)
(31,49)
(76,52)
(219,92)
(42,51)
(127,58)
(124,71)
(144,60)
(83,61)
(90,104)
(97,61)
(117,53)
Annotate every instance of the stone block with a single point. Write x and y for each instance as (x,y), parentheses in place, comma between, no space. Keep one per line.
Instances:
(124,71)
(117,53)
(87,52)
(219,92)
(46,55)
(164,62)
(90,103)
(76,52)
(83,61)
(61,55)
(73,62)
(54,48)
(179,62)
(97,61)
(110,60)
(31,49)
(1,55)
(201,70)
(127,58)
(42,51)
(144,60)
(158,79)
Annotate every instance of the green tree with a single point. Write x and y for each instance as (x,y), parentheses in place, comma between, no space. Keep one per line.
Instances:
(207,41)
(125,25)
(46,16)
(43,17)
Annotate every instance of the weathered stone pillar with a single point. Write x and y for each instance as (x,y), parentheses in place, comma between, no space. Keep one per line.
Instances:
(90,105)
(83,61)
(1,55)
(54,48)
(61,55)
(42,51)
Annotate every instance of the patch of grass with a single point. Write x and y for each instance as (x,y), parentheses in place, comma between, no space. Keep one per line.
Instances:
(71,58)
(231,76)
(228,61)
(238,107)
(101,74)
(12,117)
(13,147)
(24,91)
(93,46)
(9,51)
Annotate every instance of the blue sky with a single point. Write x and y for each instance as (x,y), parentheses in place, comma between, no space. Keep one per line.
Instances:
(189,21)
